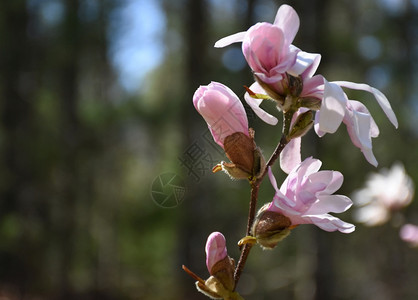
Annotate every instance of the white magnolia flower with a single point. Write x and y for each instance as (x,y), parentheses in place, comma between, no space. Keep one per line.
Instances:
(385,192)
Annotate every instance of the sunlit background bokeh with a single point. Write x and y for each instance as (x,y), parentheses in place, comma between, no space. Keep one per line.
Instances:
(106,187)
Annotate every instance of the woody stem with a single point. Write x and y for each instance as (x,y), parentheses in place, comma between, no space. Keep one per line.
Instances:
(255,186)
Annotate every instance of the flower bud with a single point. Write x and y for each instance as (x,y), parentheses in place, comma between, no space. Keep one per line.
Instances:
(215,250)
(221,283)
(219,264)
(270,227)
(222,111)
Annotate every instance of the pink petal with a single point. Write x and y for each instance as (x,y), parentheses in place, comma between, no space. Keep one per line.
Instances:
(308,166)
(330,203)
(332,180)
(318,131)
(279,199)
(380,98)
(360,107)
(285,206)
(329,223)
(221,109)
(358,128)
(306,63)
(273,179)
(228,40)
(332,108)
(215,249)
(288,20)
(266,52)
(290,156)
(313,87)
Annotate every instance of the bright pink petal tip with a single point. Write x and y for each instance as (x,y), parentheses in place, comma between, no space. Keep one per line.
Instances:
(215,249)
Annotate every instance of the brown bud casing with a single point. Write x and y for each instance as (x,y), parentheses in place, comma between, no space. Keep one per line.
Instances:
(223,270)
(270,228)
(247,161)
(239,148)
(221,284)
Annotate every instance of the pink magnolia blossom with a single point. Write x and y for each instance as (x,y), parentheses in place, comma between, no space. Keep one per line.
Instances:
(384,192)
(335,109)
(222,111)
(269,51)
(409,234)
(215,249)
(305,197)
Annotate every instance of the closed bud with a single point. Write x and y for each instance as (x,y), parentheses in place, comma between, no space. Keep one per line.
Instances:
(221,284)
(270,227)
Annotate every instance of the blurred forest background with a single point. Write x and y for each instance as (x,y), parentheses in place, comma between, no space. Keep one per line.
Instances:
(96,116)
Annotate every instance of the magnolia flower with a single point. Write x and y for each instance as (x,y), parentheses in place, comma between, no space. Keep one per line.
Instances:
(266,46)
(270,54)
(385,192)
(306,197)
(267,51)
(335,108)
(222,111)
(409,234)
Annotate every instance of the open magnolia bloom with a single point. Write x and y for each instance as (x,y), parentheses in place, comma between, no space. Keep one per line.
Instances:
(335,108)
(270,54)
(384,193)
(305,197)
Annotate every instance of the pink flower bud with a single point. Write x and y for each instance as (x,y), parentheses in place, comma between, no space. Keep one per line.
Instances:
(222,111)
(215,249)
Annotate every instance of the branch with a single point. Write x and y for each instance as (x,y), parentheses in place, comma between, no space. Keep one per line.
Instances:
(255,186)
